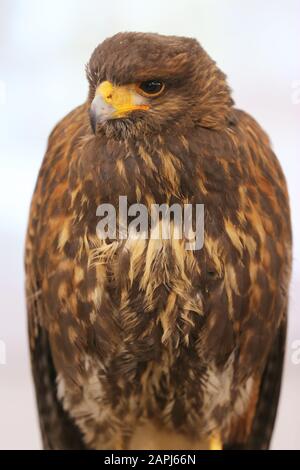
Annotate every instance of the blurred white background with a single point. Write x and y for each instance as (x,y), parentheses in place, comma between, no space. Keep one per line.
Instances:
(44,46)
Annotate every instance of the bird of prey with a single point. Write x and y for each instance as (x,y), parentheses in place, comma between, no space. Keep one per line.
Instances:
(140,343)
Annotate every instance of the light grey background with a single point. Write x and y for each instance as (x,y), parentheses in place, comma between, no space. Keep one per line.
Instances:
(44,46)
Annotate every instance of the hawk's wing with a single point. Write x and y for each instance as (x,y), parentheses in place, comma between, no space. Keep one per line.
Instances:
(262,423)
(269,392)
(57,428)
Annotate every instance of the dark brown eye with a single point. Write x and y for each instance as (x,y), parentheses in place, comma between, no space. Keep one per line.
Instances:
(151,87)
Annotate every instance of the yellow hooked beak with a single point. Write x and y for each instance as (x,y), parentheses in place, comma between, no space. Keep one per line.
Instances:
(113,102)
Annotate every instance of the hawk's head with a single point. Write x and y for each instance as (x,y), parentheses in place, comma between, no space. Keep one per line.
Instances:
(142,81)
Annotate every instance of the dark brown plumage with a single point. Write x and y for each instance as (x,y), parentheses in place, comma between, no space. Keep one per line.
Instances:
(138,339)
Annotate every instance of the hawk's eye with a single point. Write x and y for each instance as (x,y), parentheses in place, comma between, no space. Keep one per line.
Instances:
(151,87)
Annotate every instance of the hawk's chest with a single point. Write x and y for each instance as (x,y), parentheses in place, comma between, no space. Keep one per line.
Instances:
(149,290)
(154,317)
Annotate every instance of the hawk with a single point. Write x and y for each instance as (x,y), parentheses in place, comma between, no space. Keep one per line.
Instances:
(140,343)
